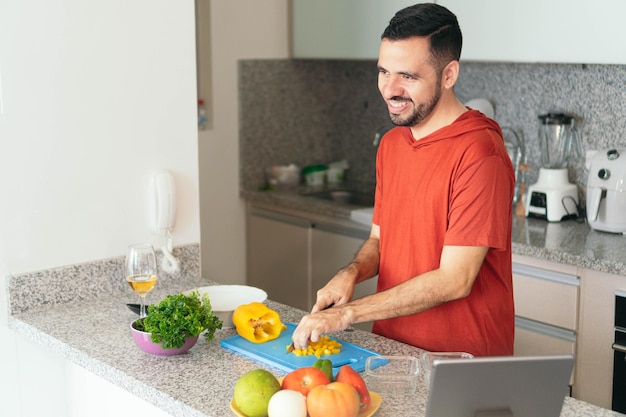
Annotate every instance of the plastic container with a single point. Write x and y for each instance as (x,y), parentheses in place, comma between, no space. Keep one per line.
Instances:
(337,172)
(315,175)
(428,358)
(335,175)
(392,374)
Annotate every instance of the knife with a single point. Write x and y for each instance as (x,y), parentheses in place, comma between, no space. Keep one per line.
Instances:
(291,347)
(135,308)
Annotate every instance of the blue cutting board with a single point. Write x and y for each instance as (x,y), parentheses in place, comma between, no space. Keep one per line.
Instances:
(274,353)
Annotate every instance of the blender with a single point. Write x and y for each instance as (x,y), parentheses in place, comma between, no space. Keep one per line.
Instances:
(553,197)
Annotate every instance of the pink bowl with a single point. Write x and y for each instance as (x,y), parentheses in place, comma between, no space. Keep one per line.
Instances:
(142,339)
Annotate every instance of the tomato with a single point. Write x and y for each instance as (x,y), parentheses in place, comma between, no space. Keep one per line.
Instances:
(336,399)
(304,379)
(350,376)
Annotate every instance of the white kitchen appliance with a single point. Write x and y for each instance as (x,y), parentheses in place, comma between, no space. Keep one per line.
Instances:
(553,197)
(606,191)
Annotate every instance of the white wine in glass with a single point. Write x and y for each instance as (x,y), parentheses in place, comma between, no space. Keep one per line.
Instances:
(141,271)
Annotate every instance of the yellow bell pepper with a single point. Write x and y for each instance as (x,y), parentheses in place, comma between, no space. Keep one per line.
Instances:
(257,322)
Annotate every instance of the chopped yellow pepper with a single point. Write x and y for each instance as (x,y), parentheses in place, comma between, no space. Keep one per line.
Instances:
(324,346)
(257,322)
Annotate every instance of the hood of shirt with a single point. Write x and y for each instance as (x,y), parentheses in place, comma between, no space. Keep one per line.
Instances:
(470,121)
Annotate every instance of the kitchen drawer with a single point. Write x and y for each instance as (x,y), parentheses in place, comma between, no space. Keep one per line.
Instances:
(546,296)
(533,339)
(537,339)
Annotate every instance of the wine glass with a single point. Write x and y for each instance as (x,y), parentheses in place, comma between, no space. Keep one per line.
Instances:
(141,271)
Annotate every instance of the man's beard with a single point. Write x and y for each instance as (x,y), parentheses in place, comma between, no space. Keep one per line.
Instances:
(420,113)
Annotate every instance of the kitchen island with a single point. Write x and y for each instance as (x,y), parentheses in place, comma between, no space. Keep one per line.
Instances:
(94,333)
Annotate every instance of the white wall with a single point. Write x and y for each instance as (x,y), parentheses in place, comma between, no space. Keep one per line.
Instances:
(241,29)
(93,97)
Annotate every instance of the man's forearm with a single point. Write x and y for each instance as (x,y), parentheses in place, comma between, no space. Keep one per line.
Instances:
(366,260)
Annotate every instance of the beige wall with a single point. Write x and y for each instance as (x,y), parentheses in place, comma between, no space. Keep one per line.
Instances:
(240,29)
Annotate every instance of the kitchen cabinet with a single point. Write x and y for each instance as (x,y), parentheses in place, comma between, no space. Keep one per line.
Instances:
(546,308)
(291,256)
(277,250)
(346,29)
(558,31)
(595,355)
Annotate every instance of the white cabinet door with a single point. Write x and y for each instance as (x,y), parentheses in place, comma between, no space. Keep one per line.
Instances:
(330,252)
(559,31)
(344,29)
(555,31)
(278,257)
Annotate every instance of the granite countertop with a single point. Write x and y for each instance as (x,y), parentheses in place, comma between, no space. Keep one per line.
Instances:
(570,242)
(199,383)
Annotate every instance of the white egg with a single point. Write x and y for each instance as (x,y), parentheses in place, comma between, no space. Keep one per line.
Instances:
(287,403)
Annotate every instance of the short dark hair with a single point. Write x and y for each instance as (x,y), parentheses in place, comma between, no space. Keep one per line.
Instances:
(433,21)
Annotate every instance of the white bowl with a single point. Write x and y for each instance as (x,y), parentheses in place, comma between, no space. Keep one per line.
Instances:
(226,298)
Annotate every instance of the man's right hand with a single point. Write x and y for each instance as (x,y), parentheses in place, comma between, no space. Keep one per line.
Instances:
(339,290)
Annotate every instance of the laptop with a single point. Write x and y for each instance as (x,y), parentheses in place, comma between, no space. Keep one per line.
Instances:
(499,386)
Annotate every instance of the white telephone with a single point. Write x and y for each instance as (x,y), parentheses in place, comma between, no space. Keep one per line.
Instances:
(162,214)
(162,201)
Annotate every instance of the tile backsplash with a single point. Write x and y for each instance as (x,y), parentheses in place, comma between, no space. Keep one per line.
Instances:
(318,111)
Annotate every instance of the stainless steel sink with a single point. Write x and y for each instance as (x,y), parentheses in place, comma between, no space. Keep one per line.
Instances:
(343,196)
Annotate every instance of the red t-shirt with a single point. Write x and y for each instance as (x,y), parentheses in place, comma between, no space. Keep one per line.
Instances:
(453,187)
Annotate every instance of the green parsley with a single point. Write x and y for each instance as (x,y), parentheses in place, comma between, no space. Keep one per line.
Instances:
(180,316)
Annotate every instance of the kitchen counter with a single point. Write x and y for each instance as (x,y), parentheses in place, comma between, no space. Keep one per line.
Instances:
(199,383)
(570,242)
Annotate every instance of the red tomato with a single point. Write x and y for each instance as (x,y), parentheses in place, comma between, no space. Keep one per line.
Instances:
(304,379)
(336,399)
(350,376)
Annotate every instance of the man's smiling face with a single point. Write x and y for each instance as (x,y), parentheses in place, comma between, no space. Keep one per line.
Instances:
(407,80)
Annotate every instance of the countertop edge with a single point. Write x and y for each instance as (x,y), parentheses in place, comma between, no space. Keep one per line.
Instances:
(575,244)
